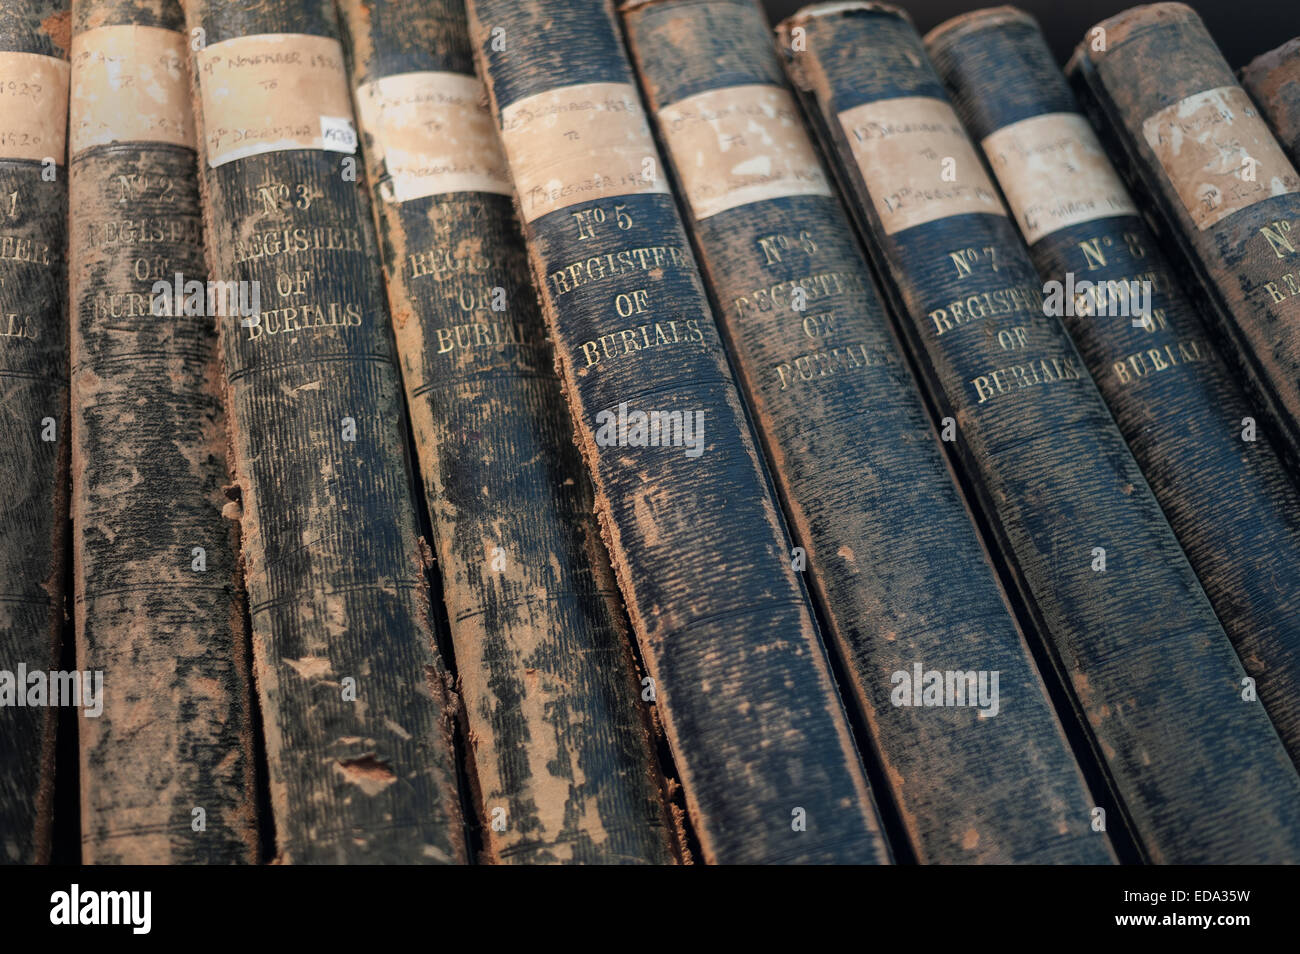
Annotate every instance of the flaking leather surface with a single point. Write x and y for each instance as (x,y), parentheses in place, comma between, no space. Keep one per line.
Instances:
(149,475)
(697,544)
(355,705)
(560,741)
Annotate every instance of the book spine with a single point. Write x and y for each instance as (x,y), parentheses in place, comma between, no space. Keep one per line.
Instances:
(1109,588)
(564,759)
(34,442)
(740,676)
(158,608)
(853,451)
(356,710)
(1215,179)
(1273,82)
(1230,502)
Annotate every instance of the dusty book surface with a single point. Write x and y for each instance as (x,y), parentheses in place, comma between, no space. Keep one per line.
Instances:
(1221,482)
(561,745)
(1214,175)
(35,437)
(356,710)
(697,543)
(855,455)
(158,612)
(1123,617)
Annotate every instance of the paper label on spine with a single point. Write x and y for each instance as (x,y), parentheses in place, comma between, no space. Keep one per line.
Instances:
(579,143)
(1219,154)
(917,162)
(273,92)
(431,133)
(33,106)
(1055,174)
(738,145)
(130,84)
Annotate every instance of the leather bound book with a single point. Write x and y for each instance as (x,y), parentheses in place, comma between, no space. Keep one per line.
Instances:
(561,746)
(1273,81)
(1230,501)
(34,431)
(1200,773)
(854,454)
(741,679)
(1217,181)
(356,709)
(167,764)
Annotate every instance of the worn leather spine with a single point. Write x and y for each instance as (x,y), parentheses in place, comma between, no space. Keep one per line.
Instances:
(1273,81)
(743,685)
(356,711)
(158,607)
(853,452)
(1228,199)
(565,763)
(1201,773)
(1230,502)
(34,437)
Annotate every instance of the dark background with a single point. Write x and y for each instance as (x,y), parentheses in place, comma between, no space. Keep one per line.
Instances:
(1243,28)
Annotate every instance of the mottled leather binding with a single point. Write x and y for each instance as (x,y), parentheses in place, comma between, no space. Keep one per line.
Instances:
(742,681)
(853,452)
(1201,774)
(565,762)
(356,711)
(158,606)
(1230,502)
(1273,81)
(1227,197)
(34,432)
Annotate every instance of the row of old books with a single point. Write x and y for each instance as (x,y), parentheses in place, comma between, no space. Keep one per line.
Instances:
(835,446)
